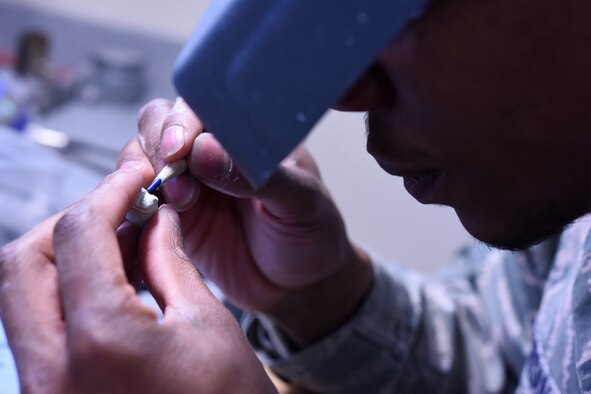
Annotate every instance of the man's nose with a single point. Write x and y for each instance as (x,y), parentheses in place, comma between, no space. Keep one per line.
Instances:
(373,90)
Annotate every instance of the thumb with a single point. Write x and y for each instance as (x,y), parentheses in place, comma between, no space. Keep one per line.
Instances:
(168,273)
(294,191)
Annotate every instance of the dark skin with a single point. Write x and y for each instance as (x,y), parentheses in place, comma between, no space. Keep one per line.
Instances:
(76,325)
(494,95)
(480,105)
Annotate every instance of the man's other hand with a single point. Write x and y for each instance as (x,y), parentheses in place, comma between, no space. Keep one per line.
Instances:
(282,250)
(75,323)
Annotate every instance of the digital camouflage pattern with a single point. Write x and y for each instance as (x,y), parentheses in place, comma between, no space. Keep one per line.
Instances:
(494,322)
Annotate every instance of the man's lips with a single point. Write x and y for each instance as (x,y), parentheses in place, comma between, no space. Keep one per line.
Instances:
(421,187)
(419,183)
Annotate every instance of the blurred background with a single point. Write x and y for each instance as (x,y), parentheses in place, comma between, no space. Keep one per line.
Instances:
(73,75)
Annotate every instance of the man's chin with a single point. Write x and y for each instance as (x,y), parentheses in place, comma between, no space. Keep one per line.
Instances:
(517,233)
(515,243)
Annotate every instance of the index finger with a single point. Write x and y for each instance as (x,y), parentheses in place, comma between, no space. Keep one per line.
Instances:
(167,132)
(30,308)
(179,130)
(87,255)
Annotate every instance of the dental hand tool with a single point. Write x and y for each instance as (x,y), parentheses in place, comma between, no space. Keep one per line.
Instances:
(146,203)
(145,206)
(167,173)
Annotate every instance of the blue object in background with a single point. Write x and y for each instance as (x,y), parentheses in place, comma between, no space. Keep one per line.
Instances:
(11,114)
(8,108)
(261,73)
(20,121)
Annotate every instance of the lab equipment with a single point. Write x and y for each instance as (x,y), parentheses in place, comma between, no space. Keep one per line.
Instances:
(91,155)
(41,183)
(145,207)
(117,76)
(146,203)
(169,171)
(261,73)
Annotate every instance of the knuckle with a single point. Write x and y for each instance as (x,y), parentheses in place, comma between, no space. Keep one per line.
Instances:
(29,250)
(92,340)
(8,254)
(130,152)
(179,115)
(47,377)
(86,346)
(72,223)
(13,254)
(97,337)
(111,178)
(154,107)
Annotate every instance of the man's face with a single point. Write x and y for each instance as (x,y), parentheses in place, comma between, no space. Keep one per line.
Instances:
(485,106)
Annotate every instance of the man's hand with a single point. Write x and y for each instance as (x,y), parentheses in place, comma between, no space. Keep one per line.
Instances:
(75,324)
(282,250)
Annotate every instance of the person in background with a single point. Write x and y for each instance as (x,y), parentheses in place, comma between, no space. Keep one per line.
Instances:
(479,105)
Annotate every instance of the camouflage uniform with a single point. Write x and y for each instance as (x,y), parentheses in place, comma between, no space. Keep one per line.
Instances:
(495,321)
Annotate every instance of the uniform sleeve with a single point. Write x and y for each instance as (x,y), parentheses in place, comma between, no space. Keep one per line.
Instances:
(465,330)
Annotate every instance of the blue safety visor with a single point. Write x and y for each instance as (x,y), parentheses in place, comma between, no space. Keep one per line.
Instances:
(261,73)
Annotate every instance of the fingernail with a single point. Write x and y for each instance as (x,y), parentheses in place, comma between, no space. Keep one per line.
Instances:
(183,204)
(180,192)
(173,140)
(211,161)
